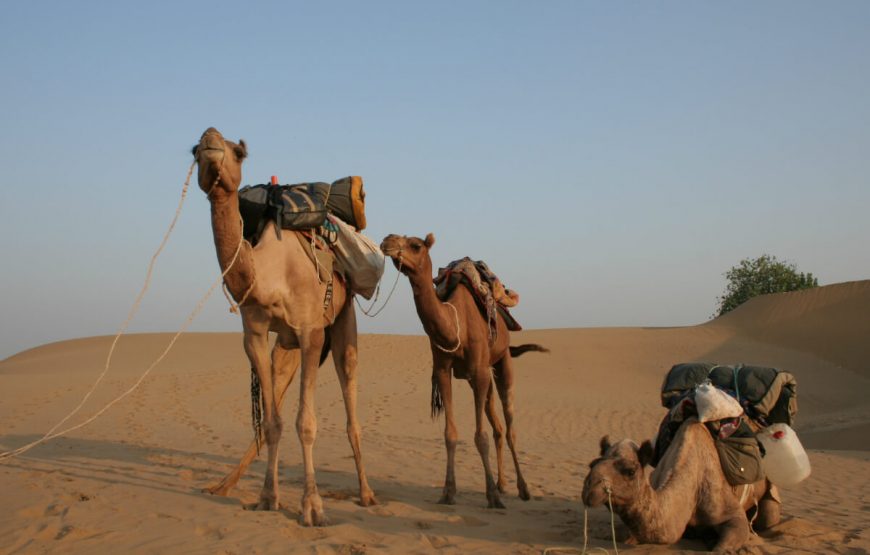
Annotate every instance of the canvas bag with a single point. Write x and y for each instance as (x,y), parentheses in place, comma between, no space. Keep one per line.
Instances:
(714,404)
(359,257)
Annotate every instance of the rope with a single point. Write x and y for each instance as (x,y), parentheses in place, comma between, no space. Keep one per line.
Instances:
(612,524)
(51,434)
(368,312)
(549,550)
(458,339)
(234,307)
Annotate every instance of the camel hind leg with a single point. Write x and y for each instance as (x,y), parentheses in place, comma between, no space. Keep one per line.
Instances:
(497,436)
(344,353)
(285,362)
(769,510)
(504,381)
(481,384)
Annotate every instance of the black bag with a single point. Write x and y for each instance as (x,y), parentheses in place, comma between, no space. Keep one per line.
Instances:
(768,395)
(301,206)
(289,206)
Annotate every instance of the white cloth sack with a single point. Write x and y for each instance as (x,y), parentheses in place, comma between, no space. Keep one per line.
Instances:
(360,258)
(714,404)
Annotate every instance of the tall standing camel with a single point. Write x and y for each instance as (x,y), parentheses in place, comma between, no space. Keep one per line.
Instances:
(279,290)
(461,346)
(686,489)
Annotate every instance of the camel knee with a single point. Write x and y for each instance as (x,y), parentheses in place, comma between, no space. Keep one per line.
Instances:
(306,427)
(272,429)
(497,435)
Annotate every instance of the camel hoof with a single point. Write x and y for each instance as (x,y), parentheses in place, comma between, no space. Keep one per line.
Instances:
(217,489)
(447,500)
(312,511)
(524,493)
(368,500)
(314,519)
(495,504)
(267,504)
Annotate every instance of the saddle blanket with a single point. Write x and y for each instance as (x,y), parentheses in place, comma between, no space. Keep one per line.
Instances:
(488,291)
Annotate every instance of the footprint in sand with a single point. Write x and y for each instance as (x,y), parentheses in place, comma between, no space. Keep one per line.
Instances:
(467,520)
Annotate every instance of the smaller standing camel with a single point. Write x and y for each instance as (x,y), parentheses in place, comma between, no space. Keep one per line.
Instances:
(687,488)
(462,347)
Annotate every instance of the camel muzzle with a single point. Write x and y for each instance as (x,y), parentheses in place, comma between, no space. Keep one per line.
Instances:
(212,147)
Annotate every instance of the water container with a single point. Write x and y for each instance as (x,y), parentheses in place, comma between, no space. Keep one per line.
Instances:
(785,462)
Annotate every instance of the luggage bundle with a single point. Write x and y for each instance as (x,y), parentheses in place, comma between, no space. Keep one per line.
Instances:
(753,399)
(301,206)
(768,395)
(336,210)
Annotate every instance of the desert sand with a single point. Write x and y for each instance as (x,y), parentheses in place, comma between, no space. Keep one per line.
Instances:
(130,482)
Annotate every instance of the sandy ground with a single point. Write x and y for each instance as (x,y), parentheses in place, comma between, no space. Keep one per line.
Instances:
(130,482)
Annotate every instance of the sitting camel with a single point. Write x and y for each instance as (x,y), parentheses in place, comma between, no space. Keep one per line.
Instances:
(687,488)
(279,291)
(460,341)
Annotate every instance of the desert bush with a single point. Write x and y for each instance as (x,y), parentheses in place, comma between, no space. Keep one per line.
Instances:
(760,276)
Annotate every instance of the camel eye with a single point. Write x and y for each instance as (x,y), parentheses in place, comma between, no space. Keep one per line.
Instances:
(415,247)
(627,470)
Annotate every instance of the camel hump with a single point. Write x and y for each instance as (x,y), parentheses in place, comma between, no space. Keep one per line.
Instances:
(526,347)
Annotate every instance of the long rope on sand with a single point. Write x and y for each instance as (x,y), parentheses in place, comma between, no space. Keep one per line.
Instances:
(52,433)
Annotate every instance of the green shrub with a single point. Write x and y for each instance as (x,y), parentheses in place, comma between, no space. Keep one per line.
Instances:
(760,276)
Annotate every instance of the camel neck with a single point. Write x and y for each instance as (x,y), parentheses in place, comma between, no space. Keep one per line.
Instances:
(226,226)
(650,516)
(438,320)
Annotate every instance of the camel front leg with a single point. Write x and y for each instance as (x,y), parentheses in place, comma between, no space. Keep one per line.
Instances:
(497,436)
(306,426)
(344,354)
(257,349)
(441,373)
(284,365)
(504,381)
(480,385)
(733,534)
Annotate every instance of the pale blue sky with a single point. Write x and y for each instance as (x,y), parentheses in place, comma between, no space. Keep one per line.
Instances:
(610,160)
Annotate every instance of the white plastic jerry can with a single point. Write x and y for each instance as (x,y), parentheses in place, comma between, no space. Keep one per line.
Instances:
(785,462)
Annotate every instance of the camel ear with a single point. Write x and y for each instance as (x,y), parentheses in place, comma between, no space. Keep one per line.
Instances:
(604,444)
(429,241)
(193,150)
(241,150)
(646,453)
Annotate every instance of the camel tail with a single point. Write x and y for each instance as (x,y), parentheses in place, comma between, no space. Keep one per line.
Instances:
(437,400)
(526,347)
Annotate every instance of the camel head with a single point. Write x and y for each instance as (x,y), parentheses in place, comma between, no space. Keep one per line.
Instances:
(410,255)
(219,161)
(619,470)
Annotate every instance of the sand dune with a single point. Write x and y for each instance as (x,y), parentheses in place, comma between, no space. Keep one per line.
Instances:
(130,481)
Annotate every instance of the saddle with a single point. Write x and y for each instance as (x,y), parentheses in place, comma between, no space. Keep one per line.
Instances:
(490,295)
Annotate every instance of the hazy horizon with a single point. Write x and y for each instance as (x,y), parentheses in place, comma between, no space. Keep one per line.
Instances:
(609,161)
